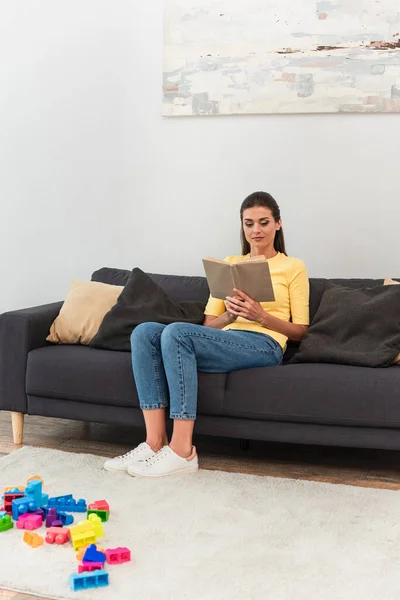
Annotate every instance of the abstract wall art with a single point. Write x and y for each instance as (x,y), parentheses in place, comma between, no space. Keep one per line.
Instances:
(226,57)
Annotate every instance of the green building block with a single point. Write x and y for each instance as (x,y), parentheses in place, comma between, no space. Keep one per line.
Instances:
(6,523)
(103,514)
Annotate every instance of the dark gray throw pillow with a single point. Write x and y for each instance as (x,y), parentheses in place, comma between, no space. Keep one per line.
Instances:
(140,301)
(354,327)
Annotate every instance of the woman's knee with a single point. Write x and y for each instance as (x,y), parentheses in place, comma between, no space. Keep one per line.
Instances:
(145,331)
(174,332)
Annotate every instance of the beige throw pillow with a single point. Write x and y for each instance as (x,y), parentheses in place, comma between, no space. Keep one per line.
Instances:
(83,311)
(389,281)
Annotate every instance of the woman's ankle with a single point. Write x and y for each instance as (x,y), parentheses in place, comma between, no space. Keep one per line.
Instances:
(157,444)
(182,451)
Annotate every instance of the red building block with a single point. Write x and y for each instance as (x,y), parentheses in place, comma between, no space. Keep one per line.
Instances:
(58,535)
(117,556)
(89,566)
(99,505)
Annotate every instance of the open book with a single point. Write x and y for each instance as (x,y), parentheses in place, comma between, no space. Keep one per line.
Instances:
(251,276)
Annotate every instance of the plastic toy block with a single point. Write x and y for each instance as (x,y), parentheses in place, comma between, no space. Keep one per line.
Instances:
(83,539)
(14,490)
(8,500)
(89,566)
(3,513)
(68,504)
(94,522)
(58,535)
(35,478)
(85,581)
(51,517)
(81,552)
(6,523)
(57,523)
(93,555)
(29,521)
(34,490)
(66,519)
(41,512)
(103,514)
(33,539)
(117,556)
(99,505)
(23,505)
(81,528)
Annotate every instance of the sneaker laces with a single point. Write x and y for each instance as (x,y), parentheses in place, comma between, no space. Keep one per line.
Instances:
(131,453)
(158,456)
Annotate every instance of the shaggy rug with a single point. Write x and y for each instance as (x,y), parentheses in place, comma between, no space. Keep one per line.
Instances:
(212,535)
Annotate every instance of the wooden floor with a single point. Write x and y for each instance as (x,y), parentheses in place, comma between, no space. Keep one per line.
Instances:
(366,468)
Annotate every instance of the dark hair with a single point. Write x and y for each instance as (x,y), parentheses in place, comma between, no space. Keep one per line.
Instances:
(266,200)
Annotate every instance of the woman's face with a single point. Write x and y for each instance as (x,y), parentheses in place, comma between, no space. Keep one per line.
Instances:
(259,227)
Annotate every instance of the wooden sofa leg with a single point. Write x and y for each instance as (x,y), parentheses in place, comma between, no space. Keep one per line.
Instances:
(17,420)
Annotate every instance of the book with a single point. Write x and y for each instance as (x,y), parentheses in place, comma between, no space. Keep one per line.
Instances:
(252,276)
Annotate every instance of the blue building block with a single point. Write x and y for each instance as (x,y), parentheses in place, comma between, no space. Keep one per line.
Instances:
(94,555)
(87,580)
(21,506)
(34,491)
(69,505)
(64,518)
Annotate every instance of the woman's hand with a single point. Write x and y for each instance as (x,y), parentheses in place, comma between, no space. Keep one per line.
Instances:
(242,305)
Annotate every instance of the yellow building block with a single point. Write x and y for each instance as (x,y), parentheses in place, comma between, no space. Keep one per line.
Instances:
(83,539)
(94,522)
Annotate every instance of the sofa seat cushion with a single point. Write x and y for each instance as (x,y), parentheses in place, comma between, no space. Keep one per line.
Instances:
(316,393)
(105,377)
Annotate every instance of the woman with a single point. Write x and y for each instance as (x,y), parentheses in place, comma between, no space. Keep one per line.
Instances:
(236,334)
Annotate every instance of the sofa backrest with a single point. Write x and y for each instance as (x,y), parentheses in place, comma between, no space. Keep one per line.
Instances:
(185,287)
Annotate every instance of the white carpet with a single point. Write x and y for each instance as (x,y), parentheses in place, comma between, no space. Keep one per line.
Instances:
(213,535)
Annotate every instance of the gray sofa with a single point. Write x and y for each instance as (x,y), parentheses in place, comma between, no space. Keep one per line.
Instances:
(299,403)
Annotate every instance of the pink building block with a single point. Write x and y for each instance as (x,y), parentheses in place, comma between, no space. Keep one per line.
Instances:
(117,556)
(29,521)
(89,566)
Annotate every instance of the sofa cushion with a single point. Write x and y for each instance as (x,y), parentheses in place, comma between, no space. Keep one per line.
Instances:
(358,327)
(104,377)
(316,393)
(178,287)
(141,301)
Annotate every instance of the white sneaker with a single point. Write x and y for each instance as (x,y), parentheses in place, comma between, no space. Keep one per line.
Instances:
(165,462)
(135,456)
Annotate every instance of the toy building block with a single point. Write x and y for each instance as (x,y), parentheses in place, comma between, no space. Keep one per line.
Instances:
(33,539)
(58,535)
(51,517)
(40,511)
(103,514)
(94,522)
(83,539)
(23,505)
(35,478)
(117,556)
(29,521)
(34,490)
(57,523)
(8,500)
(19,489)
(3,513)
(69,504)
(89,566)
(99,505)
(6,523)
(94,555)
(85,581)
(65,518)
(81,552)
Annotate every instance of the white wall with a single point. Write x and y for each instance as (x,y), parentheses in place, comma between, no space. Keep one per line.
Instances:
(92,175)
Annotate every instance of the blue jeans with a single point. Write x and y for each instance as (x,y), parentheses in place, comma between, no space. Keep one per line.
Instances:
(166,358)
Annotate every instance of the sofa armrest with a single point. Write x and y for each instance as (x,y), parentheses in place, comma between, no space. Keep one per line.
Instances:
(20,332)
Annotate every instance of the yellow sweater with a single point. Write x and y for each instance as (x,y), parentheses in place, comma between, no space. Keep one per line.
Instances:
(291,289)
